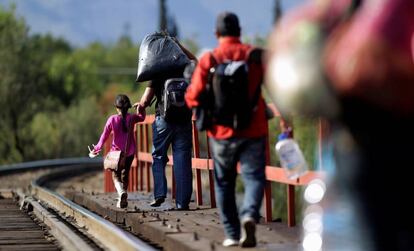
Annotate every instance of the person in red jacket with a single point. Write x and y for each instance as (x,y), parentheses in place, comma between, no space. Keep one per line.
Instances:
(230,146)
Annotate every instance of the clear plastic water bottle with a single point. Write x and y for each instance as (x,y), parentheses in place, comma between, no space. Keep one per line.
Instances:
(291,157)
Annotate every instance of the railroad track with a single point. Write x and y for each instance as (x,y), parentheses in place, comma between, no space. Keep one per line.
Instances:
(72,226)
(19,230)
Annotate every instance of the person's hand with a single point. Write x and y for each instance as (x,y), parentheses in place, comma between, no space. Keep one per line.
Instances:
(135,105)
(140,108)
(92,152)
(288,131)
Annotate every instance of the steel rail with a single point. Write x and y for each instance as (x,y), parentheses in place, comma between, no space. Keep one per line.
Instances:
(105,232)
(42,164)
(59,229)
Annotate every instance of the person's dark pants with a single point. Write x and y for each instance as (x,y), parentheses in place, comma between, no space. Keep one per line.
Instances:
(180,137)
(226,154)
(122,175)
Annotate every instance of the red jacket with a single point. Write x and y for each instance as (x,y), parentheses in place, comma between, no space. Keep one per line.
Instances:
(230,48)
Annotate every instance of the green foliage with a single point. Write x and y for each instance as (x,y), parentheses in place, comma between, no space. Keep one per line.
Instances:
(85,127)
(46,135)
(123,53)
(8,150)
(13,37)
(72,77)
(117,63)
(191,45)
(256,40)
(53,96)
(66,133)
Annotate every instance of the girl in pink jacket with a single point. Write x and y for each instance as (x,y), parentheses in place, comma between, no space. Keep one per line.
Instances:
(118,124)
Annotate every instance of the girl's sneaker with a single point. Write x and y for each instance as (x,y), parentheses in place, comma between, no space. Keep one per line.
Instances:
(122,201)
(230,242)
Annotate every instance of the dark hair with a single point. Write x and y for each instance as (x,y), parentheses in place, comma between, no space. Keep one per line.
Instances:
(227,24)
(123,103)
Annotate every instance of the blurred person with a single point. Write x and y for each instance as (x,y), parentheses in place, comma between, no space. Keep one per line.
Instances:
(120,125)
(357,59)
(176,132)
(229,145)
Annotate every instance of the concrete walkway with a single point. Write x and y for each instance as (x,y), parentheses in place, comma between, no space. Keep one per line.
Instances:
(196,229)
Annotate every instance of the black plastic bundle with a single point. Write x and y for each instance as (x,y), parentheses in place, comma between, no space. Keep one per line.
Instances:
(160,57)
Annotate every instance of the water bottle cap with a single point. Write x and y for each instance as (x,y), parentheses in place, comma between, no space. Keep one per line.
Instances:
(283,136)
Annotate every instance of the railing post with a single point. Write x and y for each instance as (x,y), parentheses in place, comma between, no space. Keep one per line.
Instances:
(133,177)
(141,163)
(210,177)
(108,184)
(323,132)
(268,188)
(134,166)
(196,152)
(146,149)
(268,201)
(291,205)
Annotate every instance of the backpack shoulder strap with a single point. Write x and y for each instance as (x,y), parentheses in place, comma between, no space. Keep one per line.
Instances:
(213,59)
(255,56)
(211,69)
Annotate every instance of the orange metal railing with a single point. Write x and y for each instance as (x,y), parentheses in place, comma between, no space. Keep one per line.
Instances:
(140,174)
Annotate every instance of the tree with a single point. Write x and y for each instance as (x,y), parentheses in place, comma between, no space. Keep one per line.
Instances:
(53,97)
(26,86)
(277,11)
(163,16)
(13,35)
(172,27)
(192,45)
(166,22)
(122,57)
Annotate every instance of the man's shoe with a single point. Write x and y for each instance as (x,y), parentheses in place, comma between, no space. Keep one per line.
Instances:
(122,201)
(248,232)
(230,242)
(182,208)
(157,202)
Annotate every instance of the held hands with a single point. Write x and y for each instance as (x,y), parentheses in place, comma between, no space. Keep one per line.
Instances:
(140,109)
(92,152)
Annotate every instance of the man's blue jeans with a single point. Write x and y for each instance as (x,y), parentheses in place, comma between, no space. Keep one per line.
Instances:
(226,154)
(180,137)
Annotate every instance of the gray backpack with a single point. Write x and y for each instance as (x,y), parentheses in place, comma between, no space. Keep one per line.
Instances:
(173,107)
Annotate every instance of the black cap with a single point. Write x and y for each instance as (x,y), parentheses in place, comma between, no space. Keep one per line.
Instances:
(227,24)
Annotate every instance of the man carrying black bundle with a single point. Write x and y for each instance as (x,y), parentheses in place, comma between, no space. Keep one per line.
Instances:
(171,127)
